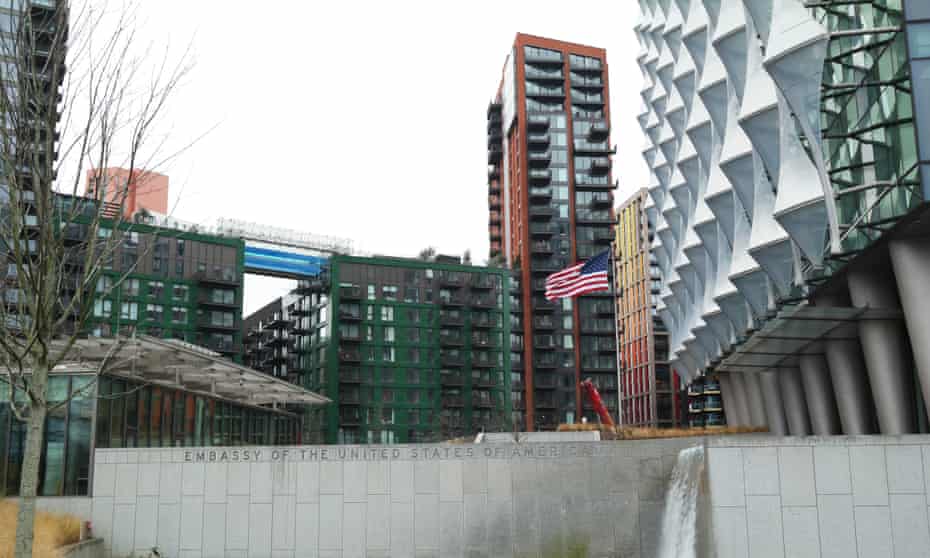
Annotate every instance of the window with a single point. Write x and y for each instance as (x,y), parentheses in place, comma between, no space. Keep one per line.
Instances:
(179,314)
(180,247)
(413,334)
(104,232)
(129,311)
(411,294)
(104,284)
(369,312)
(369,333)
(156,288)
(179,293)
(223,296)
(387,314)
(132,238)
(372,292)
(103,308)
(387,354)
(155,312)
(389,292)
(389,334)
(131,287)
(179,268)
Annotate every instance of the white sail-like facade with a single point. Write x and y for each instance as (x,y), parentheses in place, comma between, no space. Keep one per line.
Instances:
(751,138)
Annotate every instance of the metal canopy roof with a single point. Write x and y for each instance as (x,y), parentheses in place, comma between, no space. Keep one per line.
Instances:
(796,331)
(185,366)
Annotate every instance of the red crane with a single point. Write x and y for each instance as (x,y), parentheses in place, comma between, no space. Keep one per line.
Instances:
(595,397)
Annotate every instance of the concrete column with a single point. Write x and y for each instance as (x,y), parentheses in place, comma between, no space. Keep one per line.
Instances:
(755,398)
(848,374)
(774,408)
(729,402)
(792,394)
(887,356)
(741,399)
(850,386)
(911,261)
(818,391)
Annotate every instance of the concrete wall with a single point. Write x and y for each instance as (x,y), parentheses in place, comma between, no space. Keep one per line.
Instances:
(486,500)
(820,497)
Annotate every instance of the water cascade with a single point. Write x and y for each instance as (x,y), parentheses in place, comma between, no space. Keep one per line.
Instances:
(679,521)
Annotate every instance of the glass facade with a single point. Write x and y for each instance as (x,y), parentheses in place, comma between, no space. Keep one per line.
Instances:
(119,413)
(867,119)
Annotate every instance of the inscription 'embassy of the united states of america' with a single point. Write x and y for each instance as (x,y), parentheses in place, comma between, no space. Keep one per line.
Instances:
(392,453)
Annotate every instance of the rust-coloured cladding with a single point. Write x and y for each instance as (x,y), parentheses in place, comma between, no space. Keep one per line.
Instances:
(133,190)
(517,204)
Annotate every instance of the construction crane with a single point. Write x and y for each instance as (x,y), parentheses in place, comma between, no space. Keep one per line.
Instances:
(591,392)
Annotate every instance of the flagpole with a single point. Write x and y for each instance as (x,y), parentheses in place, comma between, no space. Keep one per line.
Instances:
(616,297)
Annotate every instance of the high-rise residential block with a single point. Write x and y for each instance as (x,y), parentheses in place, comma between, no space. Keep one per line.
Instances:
(130,191)
(550,199)
(409,350)
(650,390)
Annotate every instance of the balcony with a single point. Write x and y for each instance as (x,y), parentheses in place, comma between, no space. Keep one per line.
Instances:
(222,277)
(544,342)
(495,110)
(454,380)
(544,57)
(537,139)
(482,360)
(495,153)
(541,212)
(595,148)
(541,247)
(484,302)
(494,202)
(599,131)
(451,339)
(453,401)
(712,387)
(454,300)
(482,402)
(483,341)
(452,360)
(540,176)
(600,166)
(348,398)
(540,195)
(208,323)
(545,92)
(350,315)
(543,322)
(207,298)
(538,121)
(494,172)
(543,229)
(350,376)
(545,265)
(543,305)
(545,402)
(588,65)
(602,308)
(483,282)
(349,355)
(601,200)
(451,319)
(539,158)
(598,365)
(546,381)
(350,419)
(350,292)
(482,321)
(602,236)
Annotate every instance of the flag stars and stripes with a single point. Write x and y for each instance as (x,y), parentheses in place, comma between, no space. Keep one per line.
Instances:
(585,277)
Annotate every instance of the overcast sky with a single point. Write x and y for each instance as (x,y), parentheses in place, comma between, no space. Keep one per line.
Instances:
(364,119)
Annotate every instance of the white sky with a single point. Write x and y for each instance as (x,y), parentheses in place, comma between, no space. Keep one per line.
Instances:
(364,119)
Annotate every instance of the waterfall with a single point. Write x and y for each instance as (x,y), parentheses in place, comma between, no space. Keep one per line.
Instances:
(679,521)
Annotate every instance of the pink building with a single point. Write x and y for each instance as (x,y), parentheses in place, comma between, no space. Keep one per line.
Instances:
(133,191)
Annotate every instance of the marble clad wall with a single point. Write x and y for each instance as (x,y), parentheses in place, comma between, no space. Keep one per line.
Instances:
(486,500)
(818,497)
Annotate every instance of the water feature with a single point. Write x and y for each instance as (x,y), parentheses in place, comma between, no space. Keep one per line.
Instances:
(678,538)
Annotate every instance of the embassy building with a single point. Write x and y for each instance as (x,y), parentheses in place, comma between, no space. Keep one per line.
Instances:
(789,148)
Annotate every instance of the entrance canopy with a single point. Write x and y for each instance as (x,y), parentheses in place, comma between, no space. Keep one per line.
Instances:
(795,331)
(181,365)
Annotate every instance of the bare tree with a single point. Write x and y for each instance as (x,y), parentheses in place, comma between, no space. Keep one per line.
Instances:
(76,97)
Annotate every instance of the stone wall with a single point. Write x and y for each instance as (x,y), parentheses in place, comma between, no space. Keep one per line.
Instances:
(816,497)
(486,500)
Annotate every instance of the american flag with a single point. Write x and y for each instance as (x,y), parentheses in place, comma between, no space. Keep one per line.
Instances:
(586,277)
